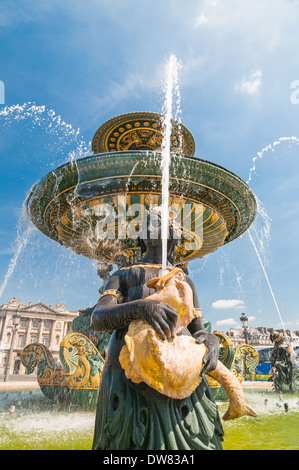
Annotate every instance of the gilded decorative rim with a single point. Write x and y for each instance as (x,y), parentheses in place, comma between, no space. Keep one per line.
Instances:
(64,205)
(141,131)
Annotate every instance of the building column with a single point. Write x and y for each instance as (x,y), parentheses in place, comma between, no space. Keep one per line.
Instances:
(65,325)
(2,347)
(52,333)
(3,327)
(28,332)
(40,331)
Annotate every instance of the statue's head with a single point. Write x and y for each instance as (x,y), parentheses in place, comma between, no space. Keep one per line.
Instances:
(276,338)
(150,234)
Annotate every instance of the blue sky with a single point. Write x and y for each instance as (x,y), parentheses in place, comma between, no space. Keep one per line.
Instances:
(81,63)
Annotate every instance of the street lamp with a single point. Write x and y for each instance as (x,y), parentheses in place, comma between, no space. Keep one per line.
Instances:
(15,321)
(244,324)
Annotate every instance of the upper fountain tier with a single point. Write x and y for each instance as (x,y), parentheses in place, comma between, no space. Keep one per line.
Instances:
(141,131)
(91,205)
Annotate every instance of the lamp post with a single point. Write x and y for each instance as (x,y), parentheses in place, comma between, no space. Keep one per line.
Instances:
(15,321)
(244,324)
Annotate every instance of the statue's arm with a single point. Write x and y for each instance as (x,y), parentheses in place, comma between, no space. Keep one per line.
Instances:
(110,314)
(197,324)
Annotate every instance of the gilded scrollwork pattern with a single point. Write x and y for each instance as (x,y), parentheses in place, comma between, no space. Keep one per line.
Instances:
(38,356)
(246,359)
(238,359)
(82,362)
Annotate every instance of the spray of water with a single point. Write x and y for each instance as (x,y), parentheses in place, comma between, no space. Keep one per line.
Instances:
(49,122)
(270,148)
(24,233)
(261,210)
(32,116)
(170,85)
(267,278)
(263,237)
(39,116)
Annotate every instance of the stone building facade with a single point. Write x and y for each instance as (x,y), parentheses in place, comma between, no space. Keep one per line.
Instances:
(260,336)
(39,323)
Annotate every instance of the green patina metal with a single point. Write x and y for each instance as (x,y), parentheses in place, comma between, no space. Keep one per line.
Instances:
(76,378)
(82,364)
(239,359)
(50,375)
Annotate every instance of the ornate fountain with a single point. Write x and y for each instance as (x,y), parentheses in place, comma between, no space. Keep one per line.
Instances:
(96,205)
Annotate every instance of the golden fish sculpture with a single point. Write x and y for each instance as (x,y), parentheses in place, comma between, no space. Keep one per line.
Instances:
(174,367)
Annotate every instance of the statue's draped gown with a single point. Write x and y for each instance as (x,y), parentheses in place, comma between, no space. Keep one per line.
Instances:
(136,417)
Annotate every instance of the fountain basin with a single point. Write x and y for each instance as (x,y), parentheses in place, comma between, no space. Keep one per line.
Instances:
(96,205)
(66,205)
(37,424)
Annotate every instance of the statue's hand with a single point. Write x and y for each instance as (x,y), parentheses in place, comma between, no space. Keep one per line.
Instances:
(212,344)
(161,316)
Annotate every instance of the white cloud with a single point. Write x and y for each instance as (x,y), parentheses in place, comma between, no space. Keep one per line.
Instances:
(232,303)
(131,85)
(288,323)
(200,20)
(250,85)
(226,322)
(232,322)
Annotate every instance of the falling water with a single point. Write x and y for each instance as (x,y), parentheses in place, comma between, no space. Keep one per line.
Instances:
(267,278)
(49,122)
(24,233)
(171,84)
(262,212)
(270,147)
(33,117)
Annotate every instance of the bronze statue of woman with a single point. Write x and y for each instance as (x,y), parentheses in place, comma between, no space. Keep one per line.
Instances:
(134,416)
